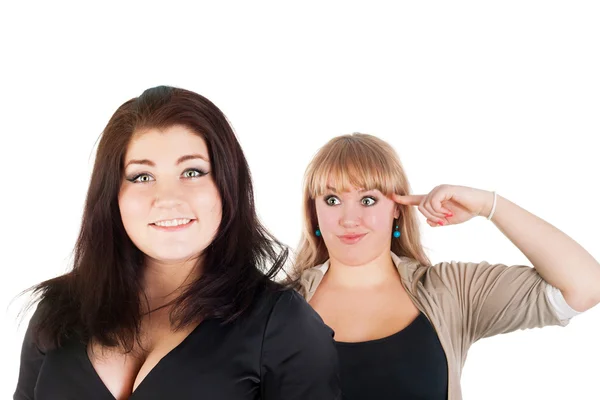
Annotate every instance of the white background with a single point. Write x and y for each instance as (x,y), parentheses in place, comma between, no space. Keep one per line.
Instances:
(496,95)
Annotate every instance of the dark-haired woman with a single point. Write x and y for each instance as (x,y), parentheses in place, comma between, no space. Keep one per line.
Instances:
(168,297)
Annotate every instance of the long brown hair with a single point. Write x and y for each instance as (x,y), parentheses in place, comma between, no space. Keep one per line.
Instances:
(362,161)
(100,298)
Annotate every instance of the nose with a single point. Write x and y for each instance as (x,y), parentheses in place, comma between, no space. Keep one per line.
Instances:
(167,194)
(351,215)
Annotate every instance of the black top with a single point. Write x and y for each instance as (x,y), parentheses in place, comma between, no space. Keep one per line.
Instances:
(409,364)
(281,350)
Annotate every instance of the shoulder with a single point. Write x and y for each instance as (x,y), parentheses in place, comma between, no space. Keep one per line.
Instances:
(291,316)
(290,306)
(295,337)
(453,274)
(491,288)
(477,275)
(298,355)
(32,336)
(310,279)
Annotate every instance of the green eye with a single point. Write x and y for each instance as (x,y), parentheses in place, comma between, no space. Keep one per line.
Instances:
(332,201)
(193,173)
(368,201)
(141,178)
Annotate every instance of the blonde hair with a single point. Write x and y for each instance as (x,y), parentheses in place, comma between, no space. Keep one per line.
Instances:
(351,161)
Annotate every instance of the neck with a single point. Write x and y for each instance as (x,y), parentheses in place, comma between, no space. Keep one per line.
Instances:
(163,282)
(374,273)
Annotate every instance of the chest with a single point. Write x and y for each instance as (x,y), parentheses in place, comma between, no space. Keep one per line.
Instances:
(122,372)
(360,315)
(196,365)
(407,364)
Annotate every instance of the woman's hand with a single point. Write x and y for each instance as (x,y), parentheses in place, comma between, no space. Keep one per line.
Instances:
(450,204)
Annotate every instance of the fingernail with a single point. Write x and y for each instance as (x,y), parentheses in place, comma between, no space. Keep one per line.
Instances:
(449,214)
(441,222)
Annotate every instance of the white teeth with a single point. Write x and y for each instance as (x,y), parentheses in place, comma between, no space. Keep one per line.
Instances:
(173,222)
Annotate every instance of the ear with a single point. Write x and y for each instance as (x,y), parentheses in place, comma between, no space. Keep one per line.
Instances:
(396,211)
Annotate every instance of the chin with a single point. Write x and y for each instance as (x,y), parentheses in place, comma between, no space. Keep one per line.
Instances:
(172,257)
(355,257)
(351,260)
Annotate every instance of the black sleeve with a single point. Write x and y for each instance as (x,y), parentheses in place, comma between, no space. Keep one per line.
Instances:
(31,362)
(299,359)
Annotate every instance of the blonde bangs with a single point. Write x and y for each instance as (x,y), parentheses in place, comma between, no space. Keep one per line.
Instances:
(355,161)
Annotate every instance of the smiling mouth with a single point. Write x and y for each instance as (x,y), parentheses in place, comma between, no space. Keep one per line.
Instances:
(172,224)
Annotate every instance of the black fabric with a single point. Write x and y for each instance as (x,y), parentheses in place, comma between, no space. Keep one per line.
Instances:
(281,350)
(410,364)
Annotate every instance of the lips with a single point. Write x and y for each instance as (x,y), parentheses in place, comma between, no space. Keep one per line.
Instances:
(171,225)
(173,222)
(351,238)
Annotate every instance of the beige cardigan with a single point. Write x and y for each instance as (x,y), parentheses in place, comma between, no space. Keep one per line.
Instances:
(466,302)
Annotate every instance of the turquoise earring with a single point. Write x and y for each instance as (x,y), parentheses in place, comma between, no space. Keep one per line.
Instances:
(396,233)
(318,232)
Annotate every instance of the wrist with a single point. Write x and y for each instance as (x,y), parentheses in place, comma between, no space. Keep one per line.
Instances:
(489,208)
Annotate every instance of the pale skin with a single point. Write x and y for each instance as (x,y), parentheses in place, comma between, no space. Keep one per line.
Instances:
(365,300)
(366,304)
(167,178)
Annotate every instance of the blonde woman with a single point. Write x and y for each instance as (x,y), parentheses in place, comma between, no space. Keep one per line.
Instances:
(403,326)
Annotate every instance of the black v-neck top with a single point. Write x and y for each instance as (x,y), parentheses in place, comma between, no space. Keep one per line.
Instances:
(410,364)
(281,350)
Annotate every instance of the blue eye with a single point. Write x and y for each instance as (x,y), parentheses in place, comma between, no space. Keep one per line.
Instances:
(368,201)
(332,200)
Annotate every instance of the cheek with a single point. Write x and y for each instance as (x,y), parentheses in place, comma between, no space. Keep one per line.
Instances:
(327,216)
(378,220)
(133,204)
(206,203)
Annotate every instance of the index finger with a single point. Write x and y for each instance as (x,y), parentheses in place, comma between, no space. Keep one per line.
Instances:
(408,200)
